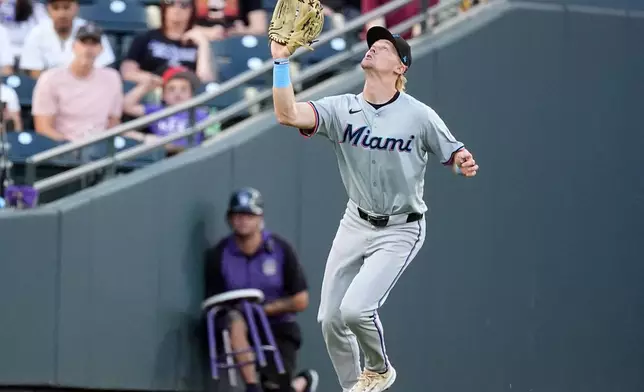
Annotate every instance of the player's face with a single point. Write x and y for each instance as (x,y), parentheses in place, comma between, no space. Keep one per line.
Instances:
(245,224)
(177,91)
(62,13)
(382,57)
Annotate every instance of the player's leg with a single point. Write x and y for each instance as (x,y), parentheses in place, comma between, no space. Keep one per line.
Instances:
(343,264)
(390,252)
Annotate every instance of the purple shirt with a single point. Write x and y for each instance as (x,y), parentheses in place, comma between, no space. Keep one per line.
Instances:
(176,123)
(273,269)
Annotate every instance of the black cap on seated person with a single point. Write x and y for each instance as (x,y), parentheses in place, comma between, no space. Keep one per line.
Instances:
(89,30)
(247,201)
(377,33)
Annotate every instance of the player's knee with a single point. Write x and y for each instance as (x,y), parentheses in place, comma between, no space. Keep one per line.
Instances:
(351,315)
(330,323)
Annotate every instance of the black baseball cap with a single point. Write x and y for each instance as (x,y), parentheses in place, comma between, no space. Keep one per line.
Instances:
(89,30)
(377,33)
(246,200)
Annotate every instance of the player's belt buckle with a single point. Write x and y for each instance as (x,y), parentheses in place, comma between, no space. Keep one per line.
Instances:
(382,221)
(378,221)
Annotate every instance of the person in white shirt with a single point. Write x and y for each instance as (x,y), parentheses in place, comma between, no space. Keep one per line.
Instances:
(11,112)
(6,59)
(19,17)
(49,44)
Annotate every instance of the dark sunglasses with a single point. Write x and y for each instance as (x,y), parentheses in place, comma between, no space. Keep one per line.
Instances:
(180,3)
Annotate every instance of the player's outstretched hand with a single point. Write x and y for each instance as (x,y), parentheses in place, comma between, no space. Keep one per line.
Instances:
(465,163)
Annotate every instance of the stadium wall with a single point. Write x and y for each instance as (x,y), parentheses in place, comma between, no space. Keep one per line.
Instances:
(530,278)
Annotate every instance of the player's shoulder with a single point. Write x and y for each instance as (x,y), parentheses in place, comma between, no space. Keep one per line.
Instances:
(421,108)
(337,100)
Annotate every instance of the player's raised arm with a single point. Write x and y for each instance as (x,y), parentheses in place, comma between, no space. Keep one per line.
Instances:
(288,112)
(294,23)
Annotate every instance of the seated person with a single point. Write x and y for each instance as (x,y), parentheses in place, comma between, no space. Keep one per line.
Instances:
(19,17)
(6,57)
(76,101)
(271,262)
(11,105)
(179,85)
(50,43)
(222,18)
(177,42)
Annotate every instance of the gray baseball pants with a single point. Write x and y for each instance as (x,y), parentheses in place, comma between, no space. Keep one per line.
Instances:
(364,264)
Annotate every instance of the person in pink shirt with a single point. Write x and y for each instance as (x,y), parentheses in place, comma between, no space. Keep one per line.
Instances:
(73,102)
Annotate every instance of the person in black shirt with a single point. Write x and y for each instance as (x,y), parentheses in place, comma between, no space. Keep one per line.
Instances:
(177,43)
(252,257)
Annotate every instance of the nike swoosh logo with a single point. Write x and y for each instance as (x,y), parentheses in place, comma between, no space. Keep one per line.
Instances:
(351,111)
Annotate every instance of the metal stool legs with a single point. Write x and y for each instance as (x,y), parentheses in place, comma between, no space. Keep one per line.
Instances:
(250,310)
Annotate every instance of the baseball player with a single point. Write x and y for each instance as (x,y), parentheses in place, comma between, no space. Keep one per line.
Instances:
(382,138)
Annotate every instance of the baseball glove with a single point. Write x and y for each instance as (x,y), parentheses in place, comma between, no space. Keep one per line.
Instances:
(296,23)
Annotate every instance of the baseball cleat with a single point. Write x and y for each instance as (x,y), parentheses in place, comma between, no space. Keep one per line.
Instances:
(375,382)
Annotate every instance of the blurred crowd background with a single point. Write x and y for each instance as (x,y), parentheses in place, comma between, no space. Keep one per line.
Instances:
(74,68)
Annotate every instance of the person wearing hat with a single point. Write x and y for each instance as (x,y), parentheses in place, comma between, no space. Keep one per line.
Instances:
(382,138)
(79,100)
(179,84)
(50,43)
(252,250)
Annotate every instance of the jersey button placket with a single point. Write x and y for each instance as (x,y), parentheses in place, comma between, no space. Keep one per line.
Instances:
(373,168)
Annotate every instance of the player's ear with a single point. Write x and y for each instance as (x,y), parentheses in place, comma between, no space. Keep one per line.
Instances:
(400,69)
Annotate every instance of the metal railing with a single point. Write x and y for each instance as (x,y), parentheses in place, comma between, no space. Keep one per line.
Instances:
(221,116)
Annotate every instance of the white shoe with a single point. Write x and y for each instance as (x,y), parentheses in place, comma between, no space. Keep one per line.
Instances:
(375,382)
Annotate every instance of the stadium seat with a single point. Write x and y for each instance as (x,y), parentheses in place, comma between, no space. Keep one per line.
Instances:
(224,100)
(119,17)
(23,85)
(269,6)
(127,86)
(27,143)
(237,55)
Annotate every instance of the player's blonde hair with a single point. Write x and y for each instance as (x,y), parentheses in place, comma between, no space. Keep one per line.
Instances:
(401,82)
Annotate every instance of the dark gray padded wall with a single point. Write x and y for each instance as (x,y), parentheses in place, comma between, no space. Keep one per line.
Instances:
(28,296)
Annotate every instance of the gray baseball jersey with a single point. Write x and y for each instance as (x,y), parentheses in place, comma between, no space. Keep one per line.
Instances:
(382,154)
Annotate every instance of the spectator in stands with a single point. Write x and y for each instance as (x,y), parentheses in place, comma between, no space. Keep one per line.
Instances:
(349,9)
(222,18)
(19,17)
(50,43)
(179,85)
(177,42)
(11,106)
(76,101)
(6,59)
(253,251)
(396,17)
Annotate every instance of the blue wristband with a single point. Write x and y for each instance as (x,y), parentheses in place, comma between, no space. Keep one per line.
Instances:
(281,73)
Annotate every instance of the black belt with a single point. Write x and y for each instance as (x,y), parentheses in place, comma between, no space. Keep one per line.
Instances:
(381,221)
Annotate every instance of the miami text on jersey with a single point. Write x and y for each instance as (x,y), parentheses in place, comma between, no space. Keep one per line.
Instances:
(362,136)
